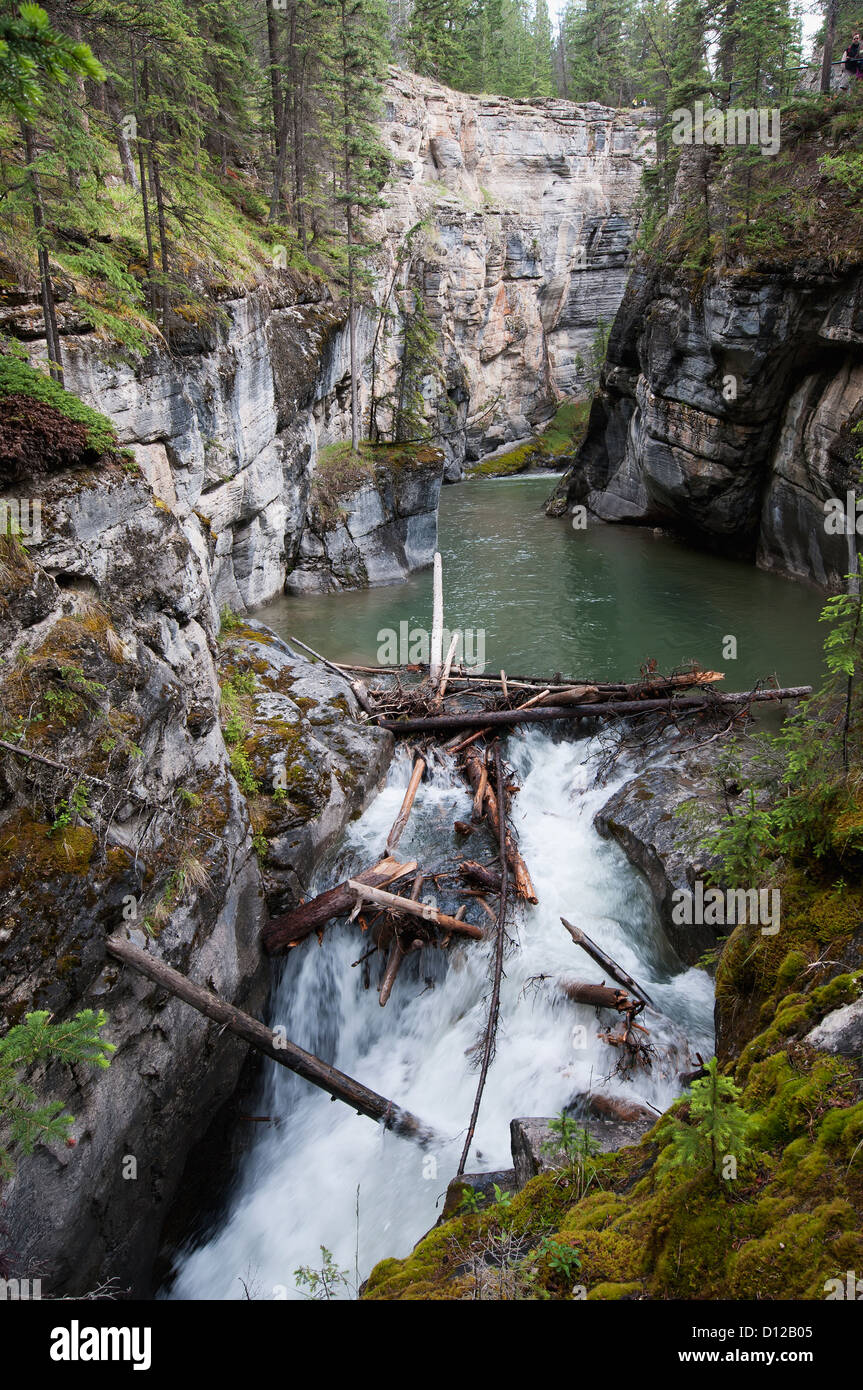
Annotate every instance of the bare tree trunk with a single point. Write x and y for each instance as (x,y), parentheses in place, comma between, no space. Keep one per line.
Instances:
(829,43)
(142,169)
(52,335)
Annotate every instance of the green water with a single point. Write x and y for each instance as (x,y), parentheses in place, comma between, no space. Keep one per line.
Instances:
(593,604)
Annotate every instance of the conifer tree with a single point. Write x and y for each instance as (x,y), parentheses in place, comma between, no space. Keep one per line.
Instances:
(353,60)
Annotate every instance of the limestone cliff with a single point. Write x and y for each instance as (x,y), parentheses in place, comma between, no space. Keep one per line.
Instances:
(526,214)
(171,782)
(731,392)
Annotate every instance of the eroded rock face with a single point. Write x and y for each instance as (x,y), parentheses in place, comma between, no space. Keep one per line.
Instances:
(522,216)
(728,414)
(642,818)
(142,821)
(529,208)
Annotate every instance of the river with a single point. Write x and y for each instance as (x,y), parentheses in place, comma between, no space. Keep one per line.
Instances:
(546,598)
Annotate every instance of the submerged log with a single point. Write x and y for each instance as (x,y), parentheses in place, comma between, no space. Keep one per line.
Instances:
(428,913)
(272,1044)
(684,704)
(473,765)
(605,962)
(282,932)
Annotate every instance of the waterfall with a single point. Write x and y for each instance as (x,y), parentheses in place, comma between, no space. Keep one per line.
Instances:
(319,1175)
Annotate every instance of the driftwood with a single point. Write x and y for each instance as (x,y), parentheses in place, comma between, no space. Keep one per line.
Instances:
(447,667)
(473,765)
(272,1044)
(363,892)
(401,819)
(598,996)
(605,962)
(683,704)
(397,951)
(480,876)
(291,927)
(494,1006)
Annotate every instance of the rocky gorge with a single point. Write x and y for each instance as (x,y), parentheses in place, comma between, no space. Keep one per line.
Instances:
(514,220)
(174,769)
(192,773)
(732,389)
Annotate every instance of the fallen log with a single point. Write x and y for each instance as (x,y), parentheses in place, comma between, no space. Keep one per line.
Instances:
(363,892)
(573,695)
(447,667)
(272,1044)
(436,653)
(473,765)
(291,927)
(401,819)
(473,872)
(397,952)
(684,704)
(605,962)
(598,996)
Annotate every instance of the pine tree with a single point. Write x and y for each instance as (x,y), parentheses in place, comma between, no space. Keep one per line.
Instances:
(435,40)
(353,60)
(35,59)
(716,1129)
(25,1120)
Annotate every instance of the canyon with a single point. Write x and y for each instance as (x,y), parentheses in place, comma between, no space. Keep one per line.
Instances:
(515,219)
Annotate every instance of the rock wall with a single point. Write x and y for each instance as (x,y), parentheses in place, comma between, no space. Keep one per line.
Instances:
(143,820)
(525,215)
(726,412)
(529,209)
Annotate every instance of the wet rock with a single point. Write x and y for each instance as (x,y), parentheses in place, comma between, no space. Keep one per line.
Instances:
(613,1123)
(641,818)
(728,415)
(314,765)
(841,1032)
(483,1184)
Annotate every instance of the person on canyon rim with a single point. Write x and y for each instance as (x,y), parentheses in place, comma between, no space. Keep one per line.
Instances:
(852,57)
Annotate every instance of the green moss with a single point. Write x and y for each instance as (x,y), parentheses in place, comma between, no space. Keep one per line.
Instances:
(18,378)
(615,1291)
(559,440)
(340,473)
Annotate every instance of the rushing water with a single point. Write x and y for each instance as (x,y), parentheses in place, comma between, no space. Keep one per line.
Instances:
(548,599)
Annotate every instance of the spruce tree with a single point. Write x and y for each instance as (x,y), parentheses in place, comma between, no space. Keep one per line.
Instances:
(353,63)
